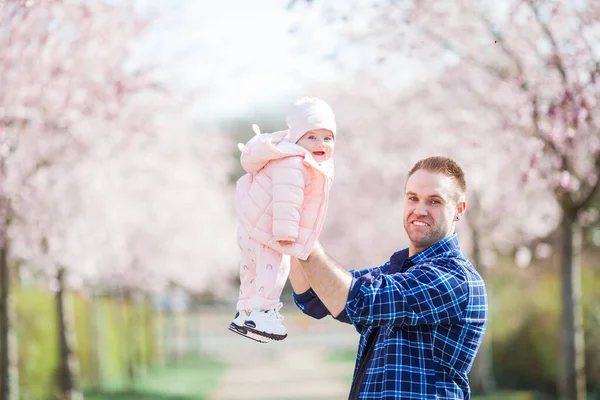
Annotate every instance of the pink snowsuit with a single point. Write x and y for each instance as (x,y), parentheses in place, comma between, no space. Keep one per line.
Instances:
(283,196)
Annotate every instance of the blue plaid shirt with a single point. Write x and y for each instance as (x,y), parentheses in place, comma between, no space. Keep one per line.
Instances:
(427,313)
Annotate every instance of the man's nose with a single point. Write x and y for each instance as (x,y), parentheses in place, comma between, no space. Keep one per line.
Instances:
(421,209)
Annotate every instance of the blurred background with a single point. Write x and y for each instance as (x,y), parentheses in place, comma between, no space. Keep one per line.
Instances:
(118,161)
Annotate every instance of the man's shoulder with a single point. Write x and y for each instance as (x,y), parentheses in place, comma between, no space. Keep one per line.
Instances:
(454,262)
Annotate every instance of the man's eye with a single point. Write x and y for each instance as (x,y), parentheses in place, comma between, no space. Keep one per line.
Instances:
(412,198)
(435,202)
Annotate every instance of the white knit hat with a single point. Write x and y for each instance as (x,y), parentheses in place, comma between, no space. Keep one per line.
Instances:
(308,114)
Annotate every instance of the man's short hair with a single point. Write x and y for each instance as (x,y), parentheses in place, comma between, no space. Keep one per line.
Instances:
(445,166)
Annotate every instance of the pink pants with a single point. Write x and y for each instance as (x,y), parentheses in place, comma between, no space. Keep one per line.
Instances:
(262,274)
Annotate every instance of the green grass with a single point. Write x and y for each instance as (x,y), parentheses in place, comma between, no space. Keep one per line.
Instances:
(193,379)
(508,396)
(341,356)
(133,395)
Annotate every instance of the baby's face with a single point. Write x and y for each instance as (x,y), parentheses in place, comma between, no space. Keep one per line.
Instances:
(319,143)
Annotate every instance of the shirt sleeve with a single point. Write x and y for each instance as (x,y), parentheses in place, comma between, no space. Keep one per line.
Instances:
(310,304)
(433,293)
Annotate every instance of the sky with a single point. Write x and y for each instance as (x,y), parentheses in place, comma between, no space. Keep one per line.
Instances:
(237,53)
(253,58)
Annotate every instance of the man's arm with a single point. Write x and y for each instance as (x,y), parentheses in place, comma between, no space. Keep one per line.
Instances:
(297,278)
(327,279)
(306,299)
(434,293)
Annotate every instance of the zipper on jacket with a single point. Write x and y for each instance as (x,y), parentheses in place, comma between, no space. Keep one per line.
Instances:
(363,365)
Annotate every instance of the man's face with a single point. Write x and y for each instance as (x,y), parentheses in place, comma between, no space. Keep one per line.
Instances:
(431,206)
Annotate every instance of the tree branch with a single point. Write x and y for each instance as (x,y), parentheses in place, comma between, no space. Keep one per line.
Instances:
(587,44)
(546,29)
(535,115)
(444,43)
(499,39)
(498,110)
(594,190)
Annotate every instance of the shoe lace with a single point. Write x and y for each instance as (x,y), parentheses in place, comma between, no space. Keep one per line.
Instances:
(275,312)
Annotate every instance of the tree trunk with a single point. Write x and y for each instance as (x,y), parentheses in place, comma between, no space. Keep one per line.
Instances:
(154,346)
(67,358)
(144,364)
(572,380)
(100,321)
(9,379)
(139,335)
(95,350)
(122,315)
(131,341)
(481,377)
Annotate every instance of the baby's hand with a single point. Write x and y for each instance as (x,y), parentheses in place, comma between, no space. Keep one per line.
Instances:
(285,242)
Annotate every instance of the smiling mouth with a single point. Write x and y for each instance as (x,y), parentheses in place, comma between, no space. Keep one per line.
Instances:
(419,223)
(319,153)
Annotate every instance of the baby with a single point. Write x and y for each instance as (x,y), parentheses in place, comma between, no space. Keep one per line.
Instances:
(281,204)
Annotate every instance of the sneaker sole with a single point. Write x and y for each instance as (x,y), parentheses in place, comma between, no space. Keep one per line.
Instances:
(242,331)
(262,334)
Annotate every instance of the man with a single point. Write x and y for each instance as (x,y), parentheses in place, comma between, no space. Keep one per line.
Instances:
(422,314)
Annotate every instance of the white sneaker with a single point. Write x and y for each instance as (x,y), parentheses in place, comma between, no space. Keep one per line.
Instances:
(237,326)
(266,323)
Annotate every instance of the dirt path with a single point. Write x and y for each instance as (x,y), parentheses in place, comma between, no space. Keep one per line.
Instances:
(294,369)
(294,374)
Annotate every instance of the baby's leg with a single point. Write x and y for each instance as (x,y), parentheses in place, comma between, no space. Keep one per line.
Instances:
(248,248)
(271,275)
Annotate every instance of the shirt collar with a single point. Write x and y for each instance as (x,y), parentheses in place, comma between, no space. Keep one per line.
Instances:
(448,244)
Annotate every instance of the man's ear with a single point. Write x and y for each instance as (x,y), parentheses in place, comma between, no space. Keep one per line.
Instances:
(461,207)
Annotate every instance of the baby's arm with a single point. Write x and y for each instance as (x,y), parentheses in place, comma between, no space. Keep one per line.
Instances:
(288,196)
